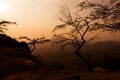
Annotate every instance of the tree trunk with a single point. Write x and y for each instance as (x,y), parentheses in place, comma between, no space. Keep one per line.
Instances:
(78,53)
(34,47)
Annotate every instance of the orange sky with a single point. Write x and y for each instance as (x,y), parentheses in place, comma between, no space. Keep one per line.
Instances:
(34,17)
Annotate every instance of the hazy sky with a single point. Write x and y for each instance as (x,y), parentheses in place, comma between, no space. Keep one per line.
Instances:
(34,17)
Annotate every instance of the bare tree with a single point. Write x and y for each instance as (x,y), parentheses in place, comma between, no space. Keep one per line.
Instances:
(32,42)
(106,14)
(78,27)
(75,27)
(3,25)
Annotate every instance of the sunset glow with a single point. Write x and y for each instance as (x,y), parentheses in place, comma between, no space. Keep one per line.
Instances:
(59,39)
(34,18)
(3,7)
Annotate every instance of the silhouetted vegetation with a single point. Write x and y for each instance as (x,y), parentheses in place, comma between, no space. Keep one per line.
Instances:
(105,14)
(14,64)
(102,17)
(6,40)
(3,25)
(32,42)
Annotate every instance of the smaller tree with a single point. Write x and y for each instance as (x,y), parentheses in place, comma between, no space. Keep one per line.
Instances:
(3,25)
(5,40)
(32,43)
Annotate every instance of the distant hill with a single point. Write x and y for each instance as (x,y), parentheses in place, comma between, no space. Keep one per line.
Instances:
(93,52)
(108,47)
(102,53)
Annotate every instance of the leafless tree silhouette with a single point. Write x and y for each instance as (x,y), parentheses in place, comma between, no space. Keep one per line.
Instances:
(75,27)
(106,14)
(32,42)
(3,25)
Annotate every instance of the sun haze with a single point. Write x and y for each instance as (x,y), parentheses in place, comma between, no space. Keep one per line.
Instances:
(3,7)
(34,18)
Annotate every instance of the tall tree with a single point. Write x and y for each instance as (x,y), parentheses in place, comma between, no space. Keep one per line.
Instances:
(106,14)
(75,26)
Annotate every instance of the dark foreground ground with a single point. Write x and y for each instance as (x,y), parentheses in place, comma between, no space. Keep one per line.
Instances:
(14,67)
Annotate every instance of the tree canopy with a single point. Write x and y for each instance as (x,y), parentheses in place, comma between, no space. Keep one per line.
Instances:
(104,16)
